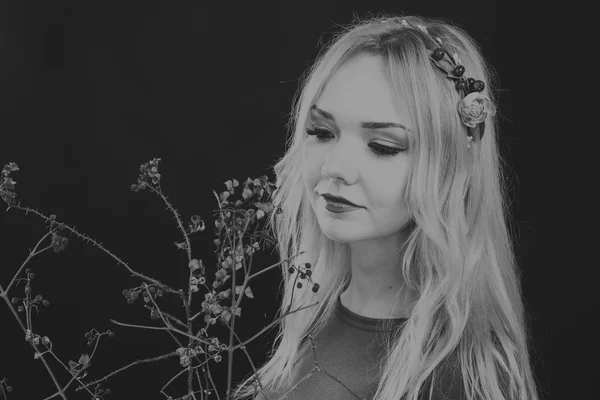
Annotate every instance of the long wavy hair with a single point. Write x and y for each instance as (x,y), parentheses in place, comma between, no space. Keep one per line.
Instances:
(458,254)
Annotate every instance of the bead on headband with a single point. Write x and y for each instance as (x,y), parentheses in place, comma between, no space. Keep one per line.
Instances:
(474,106)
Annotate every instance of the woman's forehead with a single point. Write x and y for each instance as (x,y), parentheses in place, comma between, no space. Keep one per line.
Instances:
(360,91)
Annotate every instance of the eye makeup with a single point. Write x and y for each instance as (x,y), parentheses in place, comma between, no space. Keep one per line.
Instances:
(378,149)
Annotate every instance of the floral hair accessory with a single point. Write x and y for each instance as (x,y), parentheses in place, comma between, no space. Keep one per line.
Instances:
(475,107)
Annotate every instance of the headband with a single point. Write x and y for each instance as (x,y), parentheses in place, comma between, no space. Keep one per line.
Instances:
(474,107)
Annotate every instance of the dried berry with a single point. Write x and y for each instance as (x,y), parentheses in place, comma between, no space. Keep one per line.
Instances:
(471,83)
(438,54)
(315,288)
(461,85)
(459,70)
(478,86)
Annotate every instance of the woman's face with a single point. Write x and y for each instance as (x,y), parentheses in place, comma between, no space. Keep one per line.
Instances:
(346,150)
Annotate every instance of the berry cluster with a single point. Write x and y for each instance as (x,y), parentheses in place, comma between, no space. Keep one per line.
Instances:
(27,300)
(59,243)
(132,294)
(7,185)
(186,354)
(149,171)
(463,85)
(35,340)
(304,273)
(92,335)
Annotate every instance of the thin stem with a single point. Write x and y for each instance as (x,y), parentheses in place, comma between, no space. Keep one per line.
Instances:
(169,316)
(70,371)
(162,328)
(231,329)
(199,383)
(4,295)
(249,360)
(32,254)
(270,325)
(162,314)
(162,390)
(136,362)
(213,383)
(234,305)
(187,304)
(177,218)
(100,246)
(262,271)
(73,376)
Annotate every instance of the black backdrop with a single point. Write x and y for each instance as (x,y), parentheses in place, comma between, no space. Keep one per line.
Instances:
(91,90)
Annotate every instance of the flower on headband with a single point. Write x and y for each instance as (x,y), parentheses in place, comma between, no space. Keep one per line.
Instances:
(475,108)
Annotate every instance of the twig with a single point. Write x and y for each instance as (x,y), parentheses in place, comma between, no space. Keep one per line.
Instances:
(270,325)
(161,328)
(32,254)
(24,329)
(167,318)
(136,362)
(100,246)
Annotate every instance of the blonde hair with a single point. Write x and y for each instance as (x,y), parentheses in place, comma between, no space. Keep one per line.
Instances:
(458,254)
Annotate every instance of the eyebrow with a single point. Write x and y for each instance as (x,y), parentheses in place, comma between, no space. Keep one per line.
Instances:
(364,124)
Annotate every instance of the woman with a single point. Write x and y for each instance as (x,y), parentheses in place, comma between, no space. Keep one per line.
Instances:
(419,296)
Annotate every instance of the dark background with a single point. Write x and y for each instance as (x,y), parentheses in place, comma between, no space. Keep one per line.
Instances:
(89,91)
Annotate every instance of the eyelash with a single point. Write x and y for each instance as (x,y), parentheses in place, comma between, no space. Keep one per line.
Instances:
(378,149)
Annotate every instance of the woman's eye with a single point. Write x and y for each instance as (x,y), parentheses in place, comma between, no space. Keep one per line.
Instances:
(379,149)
